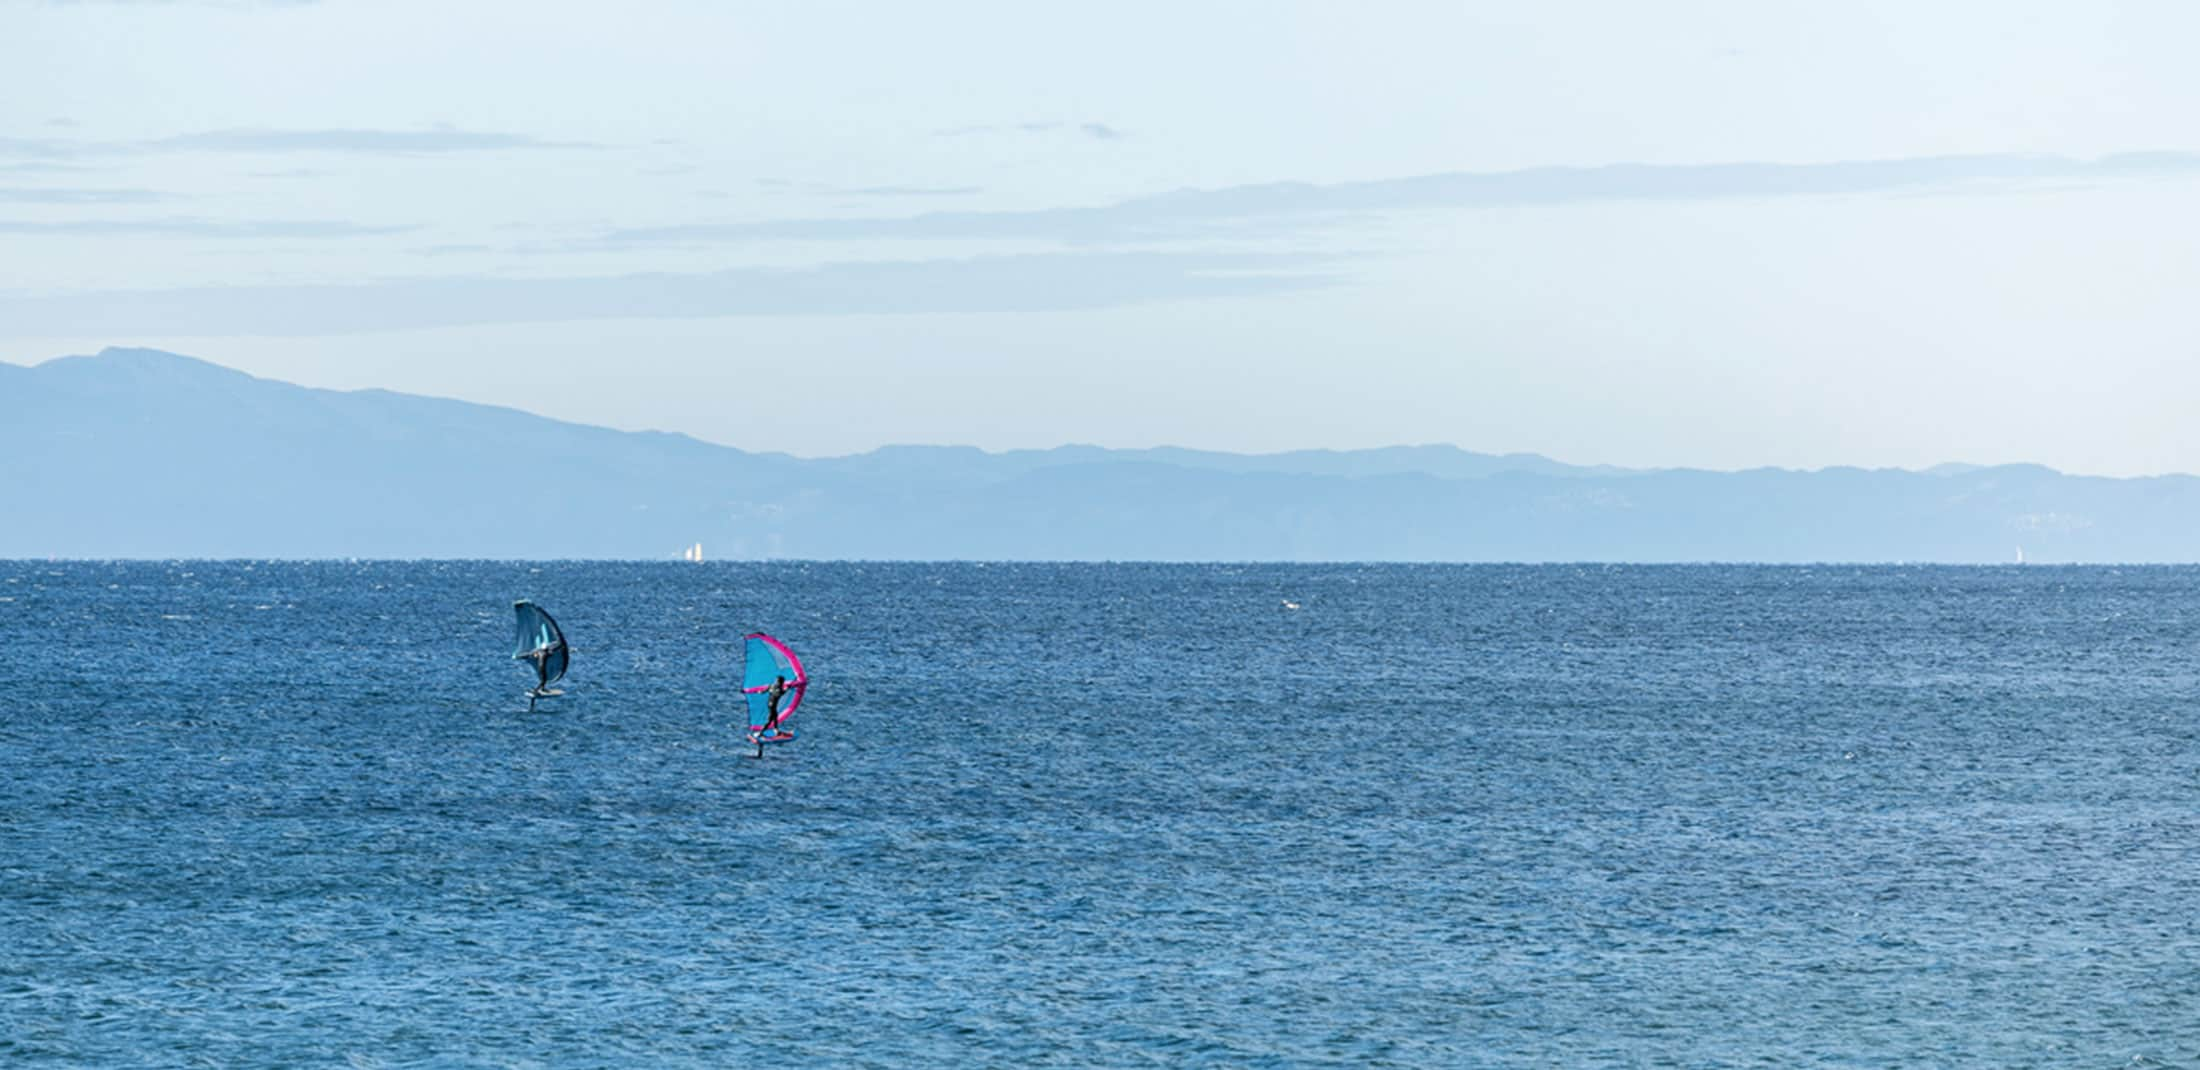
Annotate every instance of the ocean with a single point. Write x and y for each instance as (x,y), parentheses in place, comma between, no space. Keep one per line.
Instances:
(297,814)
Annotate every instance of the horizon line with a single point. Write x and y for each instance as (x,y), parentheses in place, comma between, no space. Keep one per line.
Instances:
(1013,562)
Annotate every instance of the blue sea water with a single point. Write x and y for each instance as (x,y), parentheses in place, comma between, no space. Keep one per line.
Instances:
(284,814)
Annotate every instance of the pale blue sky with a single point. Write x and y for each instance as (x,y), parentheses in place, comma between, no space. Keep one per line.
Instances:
(1715,234)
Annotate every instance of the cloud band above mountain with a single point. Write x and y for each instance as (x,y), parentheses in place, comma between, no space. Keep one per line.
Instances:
(1190,213)
(986,284)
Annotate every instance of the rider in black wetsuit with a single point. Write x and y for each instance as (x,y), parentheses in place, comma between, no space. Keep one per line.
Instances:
(772,695)
(778,691)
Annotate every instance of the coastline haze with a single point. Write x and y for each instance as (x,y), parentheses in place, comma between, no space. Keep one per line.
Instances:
(237,466)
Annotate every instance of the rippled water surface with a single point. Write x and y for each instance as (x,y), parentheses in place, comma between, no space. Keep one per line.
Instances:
(296,814)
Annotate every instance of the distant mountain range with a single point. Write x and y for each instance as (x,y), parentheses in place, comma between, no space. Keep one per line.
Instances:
(140,453)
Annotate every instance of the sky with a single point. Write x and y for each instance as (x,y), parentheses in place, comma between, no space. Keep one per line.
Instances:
(1712,234)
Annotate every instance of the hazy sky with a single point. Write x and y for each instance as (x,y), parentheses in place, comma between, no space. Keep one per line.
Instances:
(1713,234)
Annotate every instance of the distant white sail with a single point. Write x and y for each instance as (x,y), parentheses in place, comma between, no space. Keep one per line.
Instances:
(694,553)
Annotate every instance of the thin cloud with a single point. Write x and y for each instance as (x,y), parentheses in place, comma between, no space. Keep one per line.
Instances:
(452,249)
(788,185)
(1100,131)
(276,142)
(1230,211)
(1054,282)
(199,228)
(913,191)
(37,195)
(395,142)
(42,167)
(41,148)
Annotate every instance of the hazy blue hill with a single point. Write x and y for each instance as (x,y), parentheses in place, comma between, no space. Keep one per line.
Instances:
(965,464)
(1448,462)
(135,452)
(143,453)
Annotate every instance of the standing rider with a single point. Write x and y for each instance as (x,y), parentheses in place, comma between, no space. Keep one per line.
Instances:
(778,691)
(772,695)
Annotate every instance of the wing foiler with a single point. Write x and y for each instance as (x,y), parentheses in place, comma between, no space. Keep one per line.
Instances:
(768,666)
(540,642)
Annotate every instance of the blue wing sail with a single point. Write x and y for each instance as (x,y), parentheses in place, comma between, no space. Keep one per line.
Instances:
(539,639)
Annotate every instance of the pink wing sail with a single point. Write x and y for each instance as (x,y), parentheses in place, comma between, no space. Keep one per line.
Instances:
(766,661)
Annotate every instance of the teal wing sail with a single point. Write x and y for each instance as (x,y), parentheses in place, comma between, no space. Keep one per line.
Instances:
(767,661)
(541,641)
